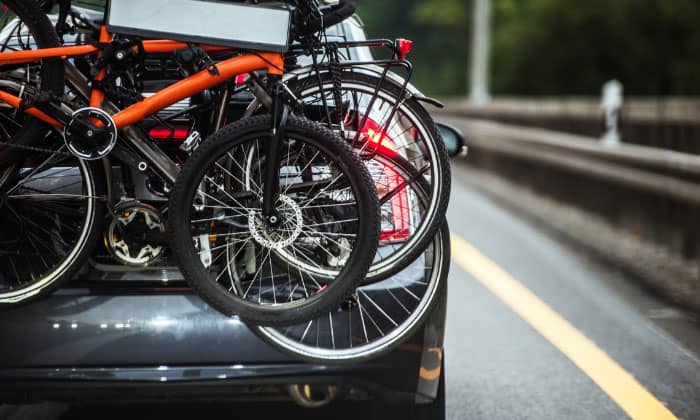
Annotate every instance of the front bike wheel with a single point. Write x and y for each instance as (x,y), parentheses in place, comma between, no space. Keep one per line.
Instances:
(378,316)
(297,268)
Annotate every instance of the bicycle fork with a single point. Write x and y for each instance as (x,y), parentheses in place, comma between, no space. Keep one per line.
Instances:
(280,116)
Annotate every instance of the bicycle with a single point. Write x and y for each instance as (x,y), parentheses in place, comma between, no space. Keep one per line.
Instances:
(230,204)
(372,108)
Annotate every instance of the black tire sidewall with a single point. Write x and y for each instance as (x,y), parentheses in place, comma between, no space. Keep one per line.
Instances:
(200,279)
(436,307)
(33,133)
(442,160)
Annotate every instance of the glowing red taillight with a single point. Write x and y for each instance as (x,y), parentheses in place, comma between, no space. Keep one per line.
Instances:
(242,78)
(396,222)
(399,229)
(375,134)
(168,133)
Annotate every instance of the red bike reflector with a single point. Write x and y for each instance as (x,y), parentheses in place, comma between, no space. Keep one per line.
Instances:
(394,236)
(403,48)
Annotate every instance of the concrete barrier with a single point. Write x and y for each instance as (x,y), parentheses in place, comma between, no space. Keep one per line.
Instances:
(671,123)
(650,194)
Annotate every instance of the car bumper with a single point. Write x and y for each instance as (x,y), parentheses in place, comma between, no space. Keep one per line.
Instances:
(88,345)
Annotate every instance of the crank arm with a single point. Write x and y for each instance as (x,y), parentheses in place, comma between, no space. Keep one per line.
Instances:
(151,154)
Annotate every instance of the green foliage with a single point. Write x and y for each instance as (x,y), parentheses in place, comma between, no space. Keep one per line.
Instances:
(437,28)
(551,47)
(555,47)
(442,13)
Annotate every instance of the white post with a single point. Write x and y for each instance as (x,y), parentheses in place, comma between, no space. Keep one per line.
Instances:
(612,103)
(481,30)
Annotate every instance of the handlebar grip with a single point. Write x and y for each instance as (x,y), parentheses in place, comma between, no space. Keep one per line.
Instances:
(335,14)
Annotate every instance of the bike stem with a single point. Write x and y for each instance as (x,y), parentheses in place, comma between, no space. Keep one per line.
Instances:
(280,116)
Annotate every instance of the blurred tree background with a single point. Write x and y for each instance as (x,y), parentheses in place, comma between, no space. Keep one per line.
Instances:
(550,47)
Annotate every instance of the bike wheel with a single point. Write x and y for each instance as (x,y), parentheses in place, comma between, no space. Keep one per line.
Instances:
(49,201)
(412,145)
(377,318)
(273,274)
(51,207)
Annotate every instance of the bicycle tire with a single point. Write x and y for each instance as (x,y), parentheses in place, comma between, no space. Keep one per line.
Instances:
(34,133)
(206,285)
(433,301)
(440,175)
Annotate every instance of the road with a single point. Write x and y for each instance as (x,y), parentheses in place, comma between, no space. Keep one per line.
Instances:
(499,366)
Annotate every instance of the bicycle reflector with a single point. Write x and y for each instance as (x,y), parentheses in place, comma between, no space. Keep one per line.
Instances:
(403,48)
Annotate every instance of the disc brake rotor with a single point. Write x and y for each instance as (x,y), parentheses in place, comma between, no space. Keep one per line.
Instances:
(283,235)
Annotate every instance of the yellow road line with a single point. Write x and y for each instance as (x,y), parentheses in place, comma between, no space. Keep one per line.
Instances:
(621,386)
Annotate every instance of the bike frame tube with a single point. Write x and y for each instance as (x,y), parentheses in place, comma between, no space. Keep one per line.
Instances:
(16,101)
(198,82)
(131,135)
(159,46)
(97,96)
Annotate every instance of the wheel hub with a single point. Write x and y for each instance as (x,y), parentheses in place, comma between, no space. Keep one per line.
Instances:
(281,233)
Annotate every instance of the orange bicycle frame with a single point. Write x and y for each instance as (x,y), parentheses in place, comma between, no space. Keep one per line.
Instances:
(198,82)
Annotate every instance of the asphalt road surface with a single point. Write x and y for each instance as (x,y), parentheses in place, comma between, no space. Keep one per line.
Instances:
(537,329)
(499,363)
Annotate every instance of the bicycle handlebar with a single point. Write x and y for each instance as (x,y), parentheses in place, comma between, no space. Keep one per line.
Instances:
(336,14)
(332,15)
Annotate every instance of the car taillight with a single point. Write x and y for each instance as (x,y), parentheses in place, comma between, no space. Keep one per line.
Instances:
(375,134)
(396,226)
(396,216)
(176,133)
(242,78)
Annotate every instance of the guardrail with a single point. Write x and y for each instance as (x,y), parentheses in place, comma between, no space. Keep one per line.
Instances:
(666,173)
(641,204)
(671,123)
(634,109)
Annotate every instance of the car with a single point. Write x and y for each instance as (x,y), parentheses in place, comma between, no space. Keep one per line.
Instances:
(139,335)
